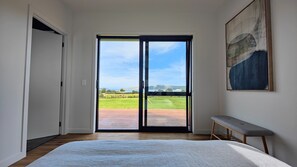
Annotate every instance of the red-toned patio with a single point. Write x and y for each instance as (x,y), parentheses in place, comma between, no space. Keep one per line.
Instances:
(128,118)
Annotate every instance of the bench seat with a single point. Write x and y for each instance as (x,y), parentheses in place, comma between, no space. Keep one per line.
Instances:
(244,128)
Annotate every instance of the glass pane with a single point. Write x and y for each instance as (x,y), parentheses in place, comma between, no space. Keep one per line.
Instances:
(166,111)
(167,66)
(118,84)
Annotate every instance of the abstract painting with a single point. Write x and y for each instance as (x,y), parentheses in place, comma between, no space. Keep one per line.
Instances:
(248,48)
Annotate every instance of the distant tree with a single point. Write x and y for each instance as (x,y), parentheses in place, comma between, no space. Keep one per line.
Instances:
(101,95)
(134,91)
(160,87)
(103,90)
(160,90)
(108,91)
(169,90)
(122,90)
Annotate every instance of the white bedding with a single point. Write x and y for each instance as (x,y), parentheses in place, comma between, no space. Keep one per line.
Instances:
(159,153)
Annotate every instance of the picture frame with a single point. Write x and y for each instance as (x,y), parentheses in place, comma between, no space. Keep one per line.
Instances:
(249,49)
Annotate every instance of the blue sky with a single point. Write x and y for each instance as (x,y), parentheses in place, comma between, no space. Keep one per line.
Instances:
(119,64)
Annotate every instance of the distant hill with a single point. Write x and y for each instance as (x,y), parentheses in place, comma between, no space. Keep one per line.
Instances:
(132,89)
(167,87)
(156,88)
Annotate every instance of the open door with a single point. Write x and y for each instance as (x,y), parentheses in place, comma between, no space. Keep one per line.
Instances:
(45,84)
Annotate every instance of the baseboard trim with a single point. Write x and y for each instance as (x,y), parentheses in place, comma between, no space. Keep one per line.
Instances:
(202,132)
(12,159)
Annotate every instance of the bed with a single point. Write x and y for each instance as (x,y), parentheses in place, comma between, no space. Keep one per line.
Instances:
(160,153)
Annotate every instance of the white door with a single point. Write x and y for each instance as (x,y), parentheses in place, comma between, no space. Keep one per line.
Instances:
(45,79)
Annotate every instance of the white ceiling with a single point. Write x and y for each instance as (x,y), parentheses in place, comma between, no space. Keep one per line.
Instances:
(142,5)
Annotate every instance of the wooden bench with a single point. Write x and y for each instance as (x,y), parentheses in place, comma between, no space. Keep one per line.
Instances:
(244,128)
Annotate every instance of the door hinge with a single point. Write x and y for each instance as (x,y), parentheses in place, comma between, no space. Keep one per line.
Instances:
(60,124)
(61,84)
(63,44)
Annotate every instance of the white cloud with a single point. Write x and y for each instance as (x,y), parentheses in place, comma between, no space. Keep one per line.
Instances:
(128,51)
(119,65)
(175,75)
(163,47)
(125,78)
(119,50)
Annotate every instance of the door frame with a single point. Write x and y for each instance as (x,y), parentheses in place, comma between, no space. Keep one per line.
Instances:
(188,93)
(99,37)
(34,13)
(144,40)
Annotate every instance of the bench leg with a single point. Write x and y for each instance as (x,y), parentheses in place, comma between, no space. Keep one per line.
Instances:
(244,139)
(212,130)
(265,145)
(228,135)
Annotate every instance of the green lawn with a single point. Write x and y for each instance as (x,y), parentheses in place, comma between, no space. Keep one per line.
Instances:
(118,103)
(165,102)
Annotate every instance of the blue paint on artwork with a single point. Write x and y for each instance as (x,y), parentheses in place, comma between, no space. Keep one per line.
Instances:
(251,74)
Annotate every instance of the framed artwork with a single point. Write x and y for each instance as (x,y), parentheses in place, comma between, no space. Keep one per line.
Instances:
(248,48)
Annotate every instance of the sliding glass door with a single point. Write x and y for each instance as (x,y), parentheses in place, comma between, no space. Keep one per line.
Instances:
(144,83)
(117,89)
(166,83)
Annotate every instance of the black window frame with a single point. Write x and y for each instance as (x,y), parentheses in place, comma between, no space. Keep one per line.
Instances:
(187,94)
(144,46)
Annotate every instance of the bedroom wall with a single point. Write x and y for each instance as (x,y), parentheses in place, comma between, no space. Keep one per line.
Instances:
(273,110)
(13,31)
(142,21)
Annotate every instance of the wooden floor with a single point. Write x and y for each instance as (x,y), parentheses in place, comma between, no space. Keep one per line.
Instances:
(60,140)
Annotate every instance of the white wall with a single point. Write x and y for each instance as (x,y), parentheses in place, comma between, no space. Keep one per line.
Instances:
(273,110)
(13,18)
(159,22)
(13,31)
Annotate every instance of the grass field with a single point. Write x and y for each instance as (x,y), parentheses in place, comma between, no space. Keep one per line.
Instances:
(165,102)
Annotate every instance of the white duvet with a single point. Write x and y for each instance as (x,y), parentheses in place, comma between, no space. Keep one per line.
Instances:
(156,153)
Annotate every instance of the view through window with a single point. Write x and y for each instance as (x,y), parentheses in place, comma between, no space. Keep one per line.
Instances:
(118,84)
(164,92)
(167,76)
